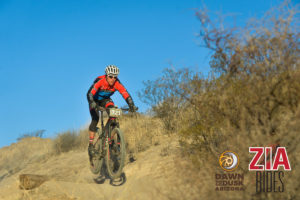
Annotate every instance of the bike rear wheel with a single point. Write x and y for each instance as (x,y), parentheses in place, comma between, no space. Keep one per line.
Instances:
(115,154)
(96,161)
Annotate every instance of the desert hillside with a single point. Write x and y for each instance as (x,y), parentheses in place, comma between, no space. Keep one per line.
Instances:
(250,98)
(148,177)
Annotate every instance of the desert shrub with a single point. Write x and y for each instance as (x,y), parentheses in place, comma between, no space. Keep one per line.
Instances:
(253,84)
(37,133)
(167,95)
(250,98)
(255,78)
(71,140)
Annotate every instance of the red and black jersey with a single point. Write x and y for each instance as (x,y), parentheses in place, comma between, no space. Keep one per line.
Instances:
(102,90)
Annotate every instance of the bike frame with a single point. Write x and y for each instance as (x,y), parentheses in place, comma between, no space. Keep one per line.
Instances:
(106,131)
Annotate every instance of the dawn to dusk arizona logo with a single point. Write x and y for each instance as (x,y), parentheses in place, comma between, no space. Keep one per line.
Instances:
(229,160)
(227,181)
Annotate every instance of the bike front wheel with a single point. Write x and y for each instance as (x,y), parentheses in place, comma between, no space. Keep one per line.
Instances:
(115,154)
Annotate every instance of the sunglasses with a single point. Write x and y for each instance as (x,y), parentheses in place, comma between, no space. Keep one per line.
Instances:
(112,77)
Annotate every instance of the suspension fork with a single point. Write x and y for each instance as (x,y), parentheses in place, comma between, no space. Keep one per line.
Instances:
(114,123)
(105,133)
(102,125)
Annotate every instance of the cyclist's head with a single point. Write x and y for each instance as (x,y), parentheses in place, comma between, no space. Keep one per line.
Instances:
(112,70)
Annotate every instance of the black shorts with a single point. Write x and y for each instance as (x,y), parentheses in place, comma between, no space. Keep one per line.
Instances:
(107,103)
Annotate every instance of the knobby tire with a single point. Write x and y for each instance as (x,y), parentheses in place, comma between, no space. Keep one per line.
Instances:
(115,154)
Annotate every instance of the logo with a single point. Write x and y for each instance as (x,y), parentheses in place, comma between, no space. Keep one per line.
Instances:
(227,181)
(280,159)
(267,163)
(229,160)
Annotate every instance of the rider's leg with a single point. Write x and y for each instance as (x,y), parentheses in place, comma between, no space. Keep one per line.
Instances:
(91,149)
(93,126)
(91,136)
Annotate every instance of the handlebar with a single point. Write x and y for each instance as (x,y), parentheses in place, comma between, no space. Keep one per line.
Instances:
(123,109)
(128,109)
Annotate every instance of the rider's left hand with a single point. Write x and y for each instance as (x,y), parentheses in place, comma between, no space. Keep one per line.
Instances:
(133,108)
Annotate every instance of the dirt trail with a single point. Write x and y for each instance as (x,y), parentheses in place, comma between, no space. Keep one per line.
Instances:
(149,177)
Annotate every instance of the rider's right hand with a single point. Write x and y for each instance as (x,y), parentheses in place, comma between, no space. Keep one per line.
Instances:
(93,105)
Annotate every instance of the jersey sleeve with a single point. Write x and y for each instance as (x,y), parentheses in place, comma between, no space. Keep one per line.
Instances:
(93,90)
(121,89)
(96,87)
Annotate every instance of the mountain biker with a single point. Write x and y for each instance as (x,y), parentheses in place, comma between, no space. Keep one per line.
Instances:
(99,95)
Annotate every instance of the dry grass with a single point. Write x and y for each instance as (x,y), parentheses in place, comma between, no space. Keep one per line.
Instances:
(17,156)
(71,140)
(141,132)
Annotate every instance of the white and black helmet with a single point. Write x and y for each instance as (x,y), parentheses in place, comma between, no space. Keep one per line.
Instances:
(112,70)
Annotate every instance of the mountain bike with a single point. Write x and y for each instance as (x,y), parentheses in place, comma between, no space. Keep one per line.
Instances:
(109,145)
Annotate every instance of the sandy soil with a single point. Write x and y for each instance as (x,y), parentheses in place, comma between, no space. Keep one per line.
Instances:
(148,177)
